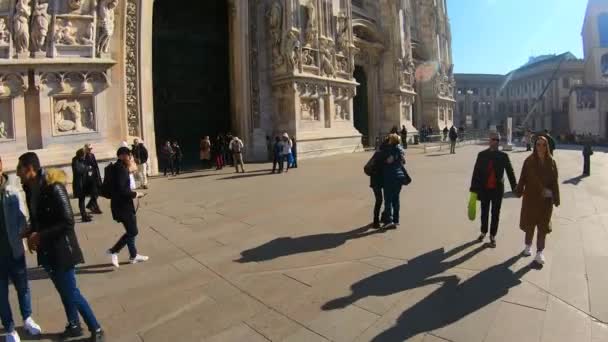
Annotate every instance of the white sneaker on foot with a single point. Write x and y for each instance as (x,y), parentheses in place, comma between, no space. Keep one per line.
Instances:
(527,251)
(114,259)
(139,258)
(540,258)
(32,327)
(13,337)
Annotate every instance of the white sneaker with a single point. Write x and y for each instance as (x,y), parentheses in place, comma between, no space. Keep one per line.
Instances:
(114,258)
(540,258)
(139,258)
(32,327)
(527,251)
(13,337)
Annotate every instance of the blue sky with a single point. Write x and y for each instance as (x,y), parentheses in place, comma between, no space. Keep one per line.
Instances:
(497,36)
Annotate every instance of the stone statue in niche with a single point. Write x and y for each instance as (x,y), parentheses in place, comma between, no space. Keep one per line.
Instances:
(342,36)
(3,132)
(21,28)
(311,22)
(69,117)
(327,65)
(87,37)
(274,17)
(309,110)
(65,33)
(75,5)
(341,111)
(292,49)
(40,25)
(307,57)
(106,25)
(5,34)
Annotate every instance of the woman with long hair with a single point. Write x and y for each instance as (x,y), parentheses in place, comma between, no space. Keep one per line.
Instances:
(205,152)
(393,175)
(539,187)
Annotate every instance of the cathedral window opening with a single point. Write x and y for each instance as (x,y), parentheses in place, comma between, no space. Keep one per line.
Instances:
(602,21)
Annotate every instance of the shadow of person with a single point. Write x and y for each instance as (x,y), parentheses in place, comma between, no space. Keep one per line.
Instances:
(416,273)
(285,246)
(454,301)
(576,180)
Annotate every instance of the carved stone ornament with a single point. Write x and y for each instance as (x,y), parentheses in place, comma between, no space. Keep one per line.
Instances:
(342,41)
(3,132)
(73,115)
(342,112)
(5,34)
(40,25)
(311,23)
(106,24)
(75,5)
(274,17)
(327,65)
(21,29)
(133,113)
(65,33)
(309,109)
(291,50)
(87,37)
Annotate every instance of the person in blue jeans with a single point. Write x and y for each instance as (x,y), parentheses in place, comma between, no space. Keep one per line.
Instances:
(12,261)
(53,237)
(393,175)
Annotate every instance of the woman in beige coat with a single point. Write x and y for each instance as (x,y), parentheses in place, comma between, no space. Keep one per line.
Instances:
(539,187)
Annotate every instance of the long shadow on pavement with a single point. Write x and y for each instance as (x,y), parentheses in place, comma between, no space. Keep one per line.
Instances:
(37,273)
(285,246)
(575,180)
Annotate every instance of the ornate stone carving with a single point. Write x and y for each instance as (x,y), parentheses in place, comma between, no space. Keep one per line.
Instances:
(274,16)
(292,49)
(75,5)
(65,33)
(342,41)
(73,115)
(5,34)
(40,25)
(308,57)
(87,37)
(133,114)
(3,132)
(327,64)
(21,29)
(106,24)
(342,112)
(309,109)
(311,23)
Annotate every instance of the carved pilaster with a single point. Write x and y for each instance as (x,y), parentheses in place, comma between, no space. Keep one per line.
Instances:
(132,69)
(253,63)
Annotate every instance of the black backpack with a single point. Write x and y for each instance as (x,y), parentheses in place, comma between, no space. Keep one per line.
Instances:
(108,181)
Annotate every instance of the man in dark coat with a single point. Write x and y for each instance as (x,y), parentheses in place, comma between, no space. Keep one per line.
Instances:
(453,139)
(488,184)
(53,237)
(80,171)
(93,179)
(123,209)
(587,153)
(140,155)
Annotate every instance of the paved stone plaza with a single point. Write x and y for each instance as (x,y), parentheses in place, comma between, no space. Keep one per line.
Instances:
(260,257)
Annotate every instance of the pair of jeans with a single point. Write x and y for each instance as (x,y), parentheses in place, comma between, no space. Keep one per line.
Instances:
(378,204)
(169,166)
(392,202)
(453,146)
(284,161)
(14,270)
(72,299)
(128,238)
(81,206)
(491,198)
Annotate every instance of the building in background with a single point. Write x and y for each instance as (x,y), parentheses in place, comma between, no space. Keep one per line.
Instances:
(326,71)
(589,101)
(488,100)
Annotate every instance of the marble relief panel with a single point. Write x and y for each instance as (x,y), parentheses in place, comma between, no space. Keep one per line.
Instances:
(7,127)
(73,115)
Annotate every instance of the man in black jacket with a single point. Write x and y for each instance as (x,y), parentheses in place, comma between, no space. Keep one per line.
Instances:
(140,154)
(93,179)
(123,209)
(453,139)
(80,170)
(52,235)
(488,184)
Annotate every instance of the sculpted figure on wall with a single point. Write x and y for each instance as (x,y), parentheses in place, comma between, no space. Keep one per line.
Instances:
(327,65)
(87,36)
(274,17)
(21,29)
(65,33)
(5,34)
(309,110)
(291,50)
(40,25)
(106,25)
(342,35)
(69,118)
(311,23)
(3,132)
(75,5)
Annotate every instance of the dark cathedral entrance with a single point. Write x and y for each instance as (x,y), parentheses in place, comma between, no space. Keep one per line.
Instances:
(361,105)
(191,73)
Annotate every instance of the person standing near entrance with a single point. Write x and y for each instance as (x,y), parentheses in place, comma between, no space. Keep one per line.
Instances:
(80,172)
(487,185)
(123,209)
(236,146)
(294,152)
(453,139)
(53,237)
(217,149)
(168,154)
(403,134)
(587,153)
(13,267)
(277,150)
(205,152)
(140,154)
(177,157)
(93,179)
(286,153)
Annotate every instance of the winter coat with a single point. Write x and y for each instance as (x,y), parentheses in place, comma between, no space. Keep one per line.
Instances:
(92,162)
(122,195)
(536,209)
(205,150)
(393,159)
(140,153)
(52,218)
(453,134)
(501,163)
(14,217)
(80,173)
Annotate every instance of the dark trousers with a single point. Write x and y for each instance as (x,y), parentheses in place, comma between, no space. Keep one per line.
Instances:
(491,198)
(378,204)
(392,202)
(219,161)
(177,164)
(169,166)
(587,166)
(72,299)
(81,206)
(284,160)
(14,271)
(93,191)
(276,162)
(128,238)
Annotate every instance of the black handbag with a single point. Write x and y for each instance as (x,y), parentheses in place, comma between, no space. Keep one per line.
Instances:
(406,179)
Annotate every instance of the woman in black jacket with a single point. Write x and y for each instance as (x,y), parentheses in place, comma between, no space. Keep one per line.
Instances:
(376,182)
(80,173)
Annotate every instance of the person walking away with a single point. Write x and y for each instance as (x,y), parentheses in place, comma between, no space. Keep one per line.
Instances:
(205,152)
(287,144)
(13,266)
(528,141)
(294,152)
(236,146)
(393,175)
(445,133)
(453,139)
(80,171)
(178,157)
(539,187)
(488,184)
(217,150)
(376,183)
(168,153)
(228,157)
(53,237)
(140,154)
(587,153)
(123,209)
(93,180)
(403,134)
(277,155)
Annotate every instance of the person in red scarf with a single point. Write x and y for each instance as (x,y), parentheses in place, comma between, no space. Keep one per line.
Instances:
(487,182)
